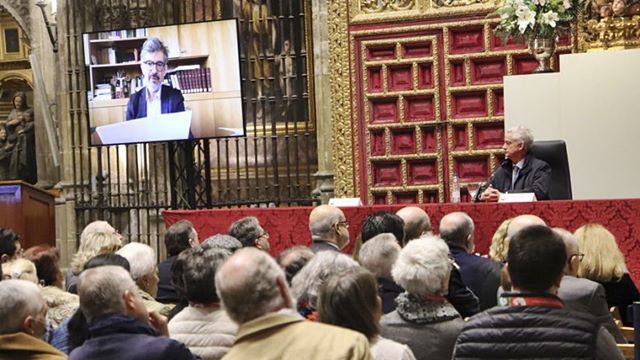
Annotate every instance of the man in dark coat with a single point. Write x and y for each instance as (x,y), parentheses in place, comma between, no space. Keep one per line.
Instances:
(531,321)
(119,325)
(519,172)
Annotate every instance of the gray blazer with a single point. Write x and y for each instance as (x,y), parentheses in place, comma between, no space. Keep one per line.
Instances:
(588,296)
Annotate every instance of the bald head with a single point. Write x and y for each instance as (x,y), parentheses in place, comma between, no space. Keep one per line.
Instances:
(456,229)
(416,222)
(251,284)
(573,251)
(322,224)
(522,221)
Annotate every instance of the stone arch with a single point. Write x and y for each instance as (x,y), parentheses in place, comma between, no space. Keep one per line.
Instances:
(21,75)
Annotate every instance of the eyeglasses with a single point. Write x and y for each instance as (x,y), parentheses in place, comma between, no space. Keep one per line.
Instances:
(579,256)
(160,65)
(264,234)
(344,223)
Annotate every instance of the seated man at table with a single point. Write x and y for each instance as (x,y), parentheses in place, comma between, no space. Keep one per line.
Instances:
(520,171)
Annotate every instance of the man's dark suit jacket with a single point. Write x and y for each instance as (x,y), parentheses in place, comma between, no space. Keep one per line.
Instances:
(480,274)
(318,246)
(171,101)
(166,292)
(533,177)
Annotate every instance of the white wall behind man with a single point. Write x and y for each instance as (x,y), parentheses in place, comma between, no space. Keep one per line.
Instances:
(593,103)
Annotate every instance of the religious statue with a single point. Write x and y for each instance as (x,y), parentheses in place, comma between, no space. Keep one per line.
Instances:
(20,141)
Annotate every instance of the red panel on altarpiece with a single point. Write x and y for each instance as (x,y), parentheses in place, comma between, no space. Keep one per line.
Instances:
(418,49)
(403,141)
(379,198)
(405,198)
(384,111)
(460,137)
(488,71)
(419,108)
(498,102)
(524,65)
(469,104)
(425,76)
(399,78)
(456,74)
(429,140)
(489,136)
(466,40)
(472,169)
(386,52)
(377,143)
(422,172)
(386,173)
(496,43)
(374,79)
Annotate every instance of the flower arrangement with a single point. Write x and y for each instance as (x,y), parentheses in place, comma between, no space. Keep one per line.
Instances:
(536,18)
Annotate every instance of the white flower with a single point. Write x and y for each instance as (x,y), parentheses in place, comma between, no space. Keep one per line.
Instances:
(526,17)
(540,2)
(566,4)
(550,18)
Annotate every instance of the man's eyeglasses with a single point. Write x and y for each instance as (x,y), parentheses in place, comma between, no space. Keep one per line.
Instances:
(160,65)
(344,223)
(579,256)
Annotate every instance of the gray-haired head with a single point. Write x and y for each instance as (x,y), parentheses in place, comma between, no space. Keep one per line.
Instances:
(222,241)
(306,284)
(18,299)
(141,257)
(101,290)
(250,284)
(423,267)
(522,135)
(152,45)
(293,259)
(379,254)
(247,230)
(456,229)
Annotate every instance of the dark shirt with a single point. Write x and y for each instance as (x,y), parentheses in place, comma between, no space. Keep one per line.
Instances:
(621,293)
(463,299)
(318,246)
(166,292)
(171,101)
(533,177)
(480,274)
(388,291)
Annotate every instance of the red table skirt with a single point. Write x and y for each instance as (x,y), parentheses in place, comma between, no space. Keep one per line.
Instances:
(289,226)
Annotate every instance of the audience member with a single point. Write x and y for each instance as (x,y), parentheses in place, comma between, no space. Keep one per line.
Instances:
(604,263)
(580,294)
(10,247)
(531,321)
(382,222)
(306,284)
(61,304)
(499,244)
(249,232)
(254,291)
(378,256)
(144,272)
(74,331)
(119,324)
(203,326)
(424,319)
(99,237)
(293,259)
(177,279)
(329,228)
(179,237)
(416,222)
(480,274)
(222,241)
(350,299)
(20,269)
(23,325)
(520,222)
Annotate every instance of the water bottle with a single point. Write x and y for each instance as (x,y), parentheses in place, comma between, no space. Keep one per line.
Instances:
(455,189)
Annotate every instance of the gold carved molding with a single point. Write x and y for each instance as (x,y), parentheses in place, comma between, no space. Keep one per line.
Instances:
(610,33)
(375,11)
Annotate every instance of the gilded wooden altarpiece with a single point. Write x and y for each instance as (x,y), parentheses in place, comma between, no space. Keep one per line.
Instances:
(417,95)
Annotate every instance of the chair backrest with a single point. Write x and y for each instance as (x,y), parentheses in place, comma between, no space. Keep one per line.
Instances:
(554,152)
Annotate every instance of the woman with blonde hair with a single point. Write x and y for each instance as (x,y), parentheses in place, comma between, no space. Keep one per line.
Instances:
(99,237)
(499,243)
(603,262)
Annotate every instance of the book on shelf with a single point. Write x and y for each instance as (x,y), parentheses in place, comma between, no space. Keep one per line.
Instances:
(191,80)
(122,34)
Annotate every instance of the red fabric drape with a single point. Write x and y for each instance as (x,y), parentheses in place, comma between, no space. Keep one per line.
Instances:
(289,226)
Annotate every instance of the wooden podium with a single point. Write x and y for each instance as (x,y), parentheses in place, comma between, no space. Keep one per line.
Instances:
(29,211)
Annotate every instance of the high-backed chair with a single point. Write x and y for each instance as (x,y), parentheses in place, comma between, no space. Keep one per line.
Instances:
(554,152)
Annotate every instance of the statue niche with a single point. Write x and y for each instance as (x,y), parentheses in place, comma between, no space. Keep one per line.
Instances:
(18,142)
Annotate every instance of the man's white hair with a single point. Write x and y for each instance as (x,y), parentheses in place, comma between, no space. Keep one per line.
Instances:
(247,285)
(522,135)
(142,259)
(422,265)
(379,254)
(101,289)
(305,285)
(18,299)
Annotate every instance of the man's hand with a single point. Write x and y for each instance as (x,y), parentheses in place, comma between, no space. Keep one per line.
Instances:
(490,195)
(159,323)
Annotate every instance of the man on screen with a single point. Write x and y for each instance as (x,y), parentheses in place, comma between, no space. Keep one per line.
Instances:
(520,171)
(154,98)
